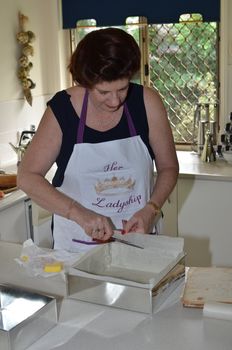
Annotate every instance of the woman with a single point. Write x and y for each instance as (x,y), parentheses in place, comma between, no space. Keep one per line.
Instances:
(103,133)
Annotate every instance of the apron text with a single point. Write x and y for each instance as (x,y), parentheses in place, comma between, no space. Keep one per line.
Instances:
(118,205)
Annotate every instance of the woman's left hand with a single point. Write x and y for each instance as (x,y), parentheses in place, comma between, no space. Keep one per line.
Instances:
(142,221)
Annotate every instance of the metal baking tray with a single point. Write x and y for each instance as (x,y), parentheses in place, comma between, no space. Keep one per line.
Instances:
(94,279)
(24,317)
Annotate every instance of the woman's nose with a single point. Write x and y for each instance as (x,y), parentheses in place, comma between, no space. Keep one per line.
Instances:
(114,99)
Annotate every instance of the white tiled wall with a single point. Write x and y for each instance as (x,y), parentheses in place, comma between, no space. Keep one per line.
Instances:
(16,116)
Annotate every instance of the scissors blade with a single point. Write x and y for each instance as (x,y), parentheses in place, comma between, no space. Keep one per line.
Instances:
(116,239)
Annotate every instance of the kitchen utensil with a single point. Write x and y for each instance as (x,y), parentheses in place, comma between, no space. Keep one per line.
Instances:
(124,241)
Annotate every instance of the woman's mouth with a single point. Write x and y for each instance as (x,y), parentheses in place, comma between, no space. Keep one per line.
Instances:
(114,108)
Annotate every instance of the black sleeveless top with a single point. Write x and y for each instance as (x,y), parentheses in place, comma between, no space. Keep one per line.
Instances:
(68,121)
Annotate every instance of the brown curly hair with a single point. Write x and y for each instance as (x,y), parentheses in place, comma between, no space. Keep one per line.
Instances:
(104,55)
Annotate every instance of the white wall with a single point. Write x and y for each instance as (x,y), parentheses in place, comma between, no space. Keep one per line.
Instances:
(49,66)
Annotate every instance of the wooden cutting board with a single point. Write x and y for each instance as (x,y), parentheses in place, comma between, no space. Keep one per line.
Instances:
(207,284)
(7,181)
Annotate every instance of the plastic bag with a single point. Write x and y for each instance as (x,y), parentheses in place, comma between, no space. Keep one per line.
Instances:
(45,262)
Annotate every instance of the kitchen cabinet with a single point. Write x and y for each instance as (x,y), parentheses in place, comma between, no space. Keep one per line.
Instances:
(204,220)
(16,221)
(21,218)
(169,209)
(199,210)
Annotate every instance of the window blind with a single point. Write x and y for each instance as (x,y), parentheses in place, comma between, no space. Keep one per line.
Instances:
(114,13)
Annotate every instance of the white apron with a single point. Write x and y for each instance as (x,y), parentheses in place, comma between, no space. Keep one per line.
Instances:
(113,178)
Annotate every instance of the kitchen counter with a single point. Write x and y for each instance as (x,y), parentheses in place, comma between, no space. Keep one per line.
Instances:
(18,195)
(86,326)
(191,165)
(12,273)
(12,198)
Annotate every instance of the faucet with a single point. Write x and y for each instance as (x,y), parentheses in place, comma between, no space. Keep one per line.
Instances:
(24,141)
(19,150)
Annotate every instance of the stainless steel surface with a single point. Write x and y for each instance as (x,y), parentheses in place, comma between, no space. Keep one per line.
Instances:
(110,294)
(141,299)
(24,317)
(122,276)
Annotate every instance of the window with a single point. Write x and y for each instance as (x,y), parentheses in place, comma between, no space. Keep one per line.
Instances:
(181,61)
(184,68)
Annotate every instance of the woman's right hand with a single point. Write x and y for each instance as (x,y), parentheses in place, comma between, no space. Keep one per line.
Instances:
(95,225)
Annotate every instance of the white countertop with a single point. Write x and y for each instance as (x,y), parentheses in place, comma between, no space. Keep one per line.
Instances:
(86,326)
(191,165)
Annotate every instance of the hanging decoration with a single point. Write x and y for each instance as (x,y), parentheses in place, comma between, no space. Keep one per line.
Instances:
(25,39)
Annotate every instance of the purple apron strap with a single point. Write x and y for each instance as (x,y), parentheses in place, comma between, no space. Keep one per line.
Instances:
(82,121)
(81,127)
(130,121)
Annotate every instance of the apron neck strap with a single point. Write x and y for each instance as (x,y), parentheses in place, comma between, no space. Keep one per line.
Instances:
(130,121)
(83,115)
(82,121)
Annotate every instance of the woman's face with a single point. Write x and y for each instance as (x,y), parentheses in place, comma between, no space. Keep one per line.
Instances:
(109,96)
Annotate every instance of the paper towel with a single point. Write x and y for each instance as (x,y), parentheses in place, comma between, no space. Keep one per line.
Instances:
(218,310)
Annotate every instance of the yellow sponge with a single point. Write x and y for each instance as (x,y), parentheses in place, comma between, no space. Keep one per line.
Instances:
(54,267)
(24,258)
